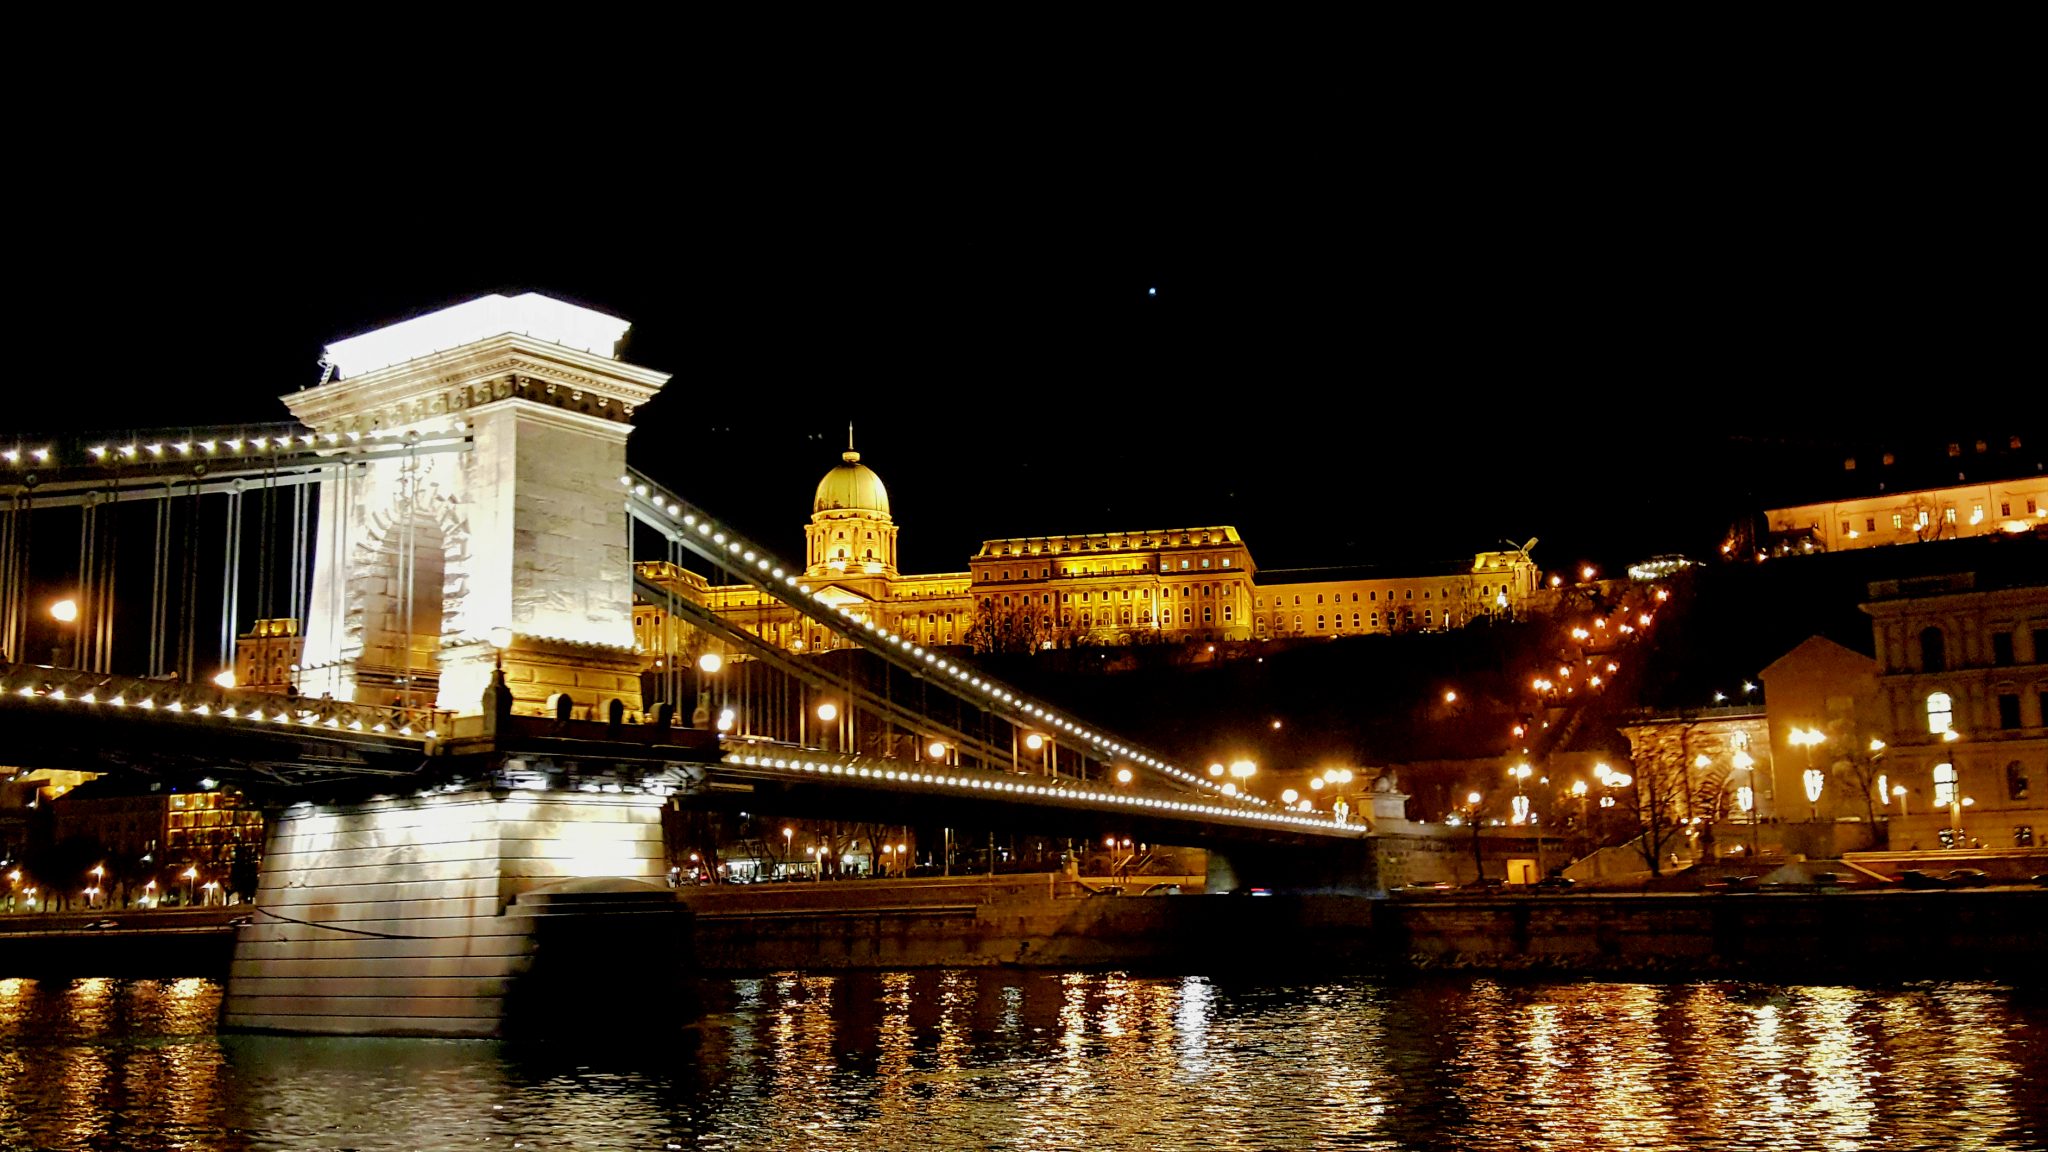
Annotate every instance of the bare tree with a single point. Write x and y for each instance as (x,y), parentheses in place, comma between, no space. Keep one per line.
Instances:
(1655,799)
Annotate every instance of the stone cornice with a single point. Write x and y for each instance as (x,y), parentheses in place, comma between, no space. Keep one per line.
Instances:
(449,383)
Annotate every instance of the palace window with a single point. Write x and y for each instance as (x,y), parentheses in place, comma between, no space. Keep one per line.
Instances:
(1127,616)
(1354,597)
(1045,573)
(1940,712)
(1870,524)
(1425,593)
(1259,623)
(1319,597)
(1933,650)
(1375,619)
(1354,619)
(1297,622)
(2015,781)
(2008,710)
(1183,565)
(1006,601)
(1258,601)
(1425,617)
(2001,647)
(1205,561)
(1226,613)
(1187,615)
(1407,593)
(1845,527)
(1226,561)
(1948,515)
(1208,614)
(1944,785)
(1898,520)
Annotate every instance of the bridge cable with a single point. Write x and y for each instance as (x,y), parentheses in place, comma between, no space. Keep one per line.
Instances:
(230,598)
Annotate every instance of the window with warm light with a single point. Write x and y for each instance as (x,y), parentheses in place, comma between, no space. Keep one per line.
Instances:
(1944,785)
(1940,712)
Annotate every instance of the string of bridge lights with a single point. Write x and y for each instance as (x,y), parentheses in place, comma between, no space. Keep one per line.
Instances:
(198,448)
(250,713)
(764,570)
(993,783)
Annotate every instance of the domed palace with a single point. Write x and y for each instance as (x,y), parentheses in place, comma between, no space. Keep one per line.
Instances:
(1025,593)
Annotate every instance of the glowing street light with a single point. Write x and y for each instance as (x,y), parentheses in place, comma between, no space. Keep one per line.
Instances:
(710,662)
(65,611)
(1123,775)
(828,712)
(1034,741)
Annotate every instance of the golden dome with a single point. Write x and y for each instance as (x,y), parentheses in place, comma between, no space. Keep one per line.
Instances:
(852,486)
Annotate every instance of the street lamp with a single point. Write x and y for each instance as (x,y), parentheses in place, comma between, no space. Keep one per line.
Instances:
(1472,817)
(1899,790)
(1806,738)
(65,612)
(190,874)
(708,664)
(788,848)
(1747,796)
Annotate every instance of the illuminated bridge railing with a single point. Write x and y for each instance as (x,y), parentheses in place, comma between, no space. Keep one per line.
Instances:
(793,762)
(88,693)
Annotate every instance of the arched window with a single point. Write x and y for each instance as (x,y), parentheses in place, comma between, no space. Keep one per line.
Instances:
(1933,651)
(1941,714)
(1944,785)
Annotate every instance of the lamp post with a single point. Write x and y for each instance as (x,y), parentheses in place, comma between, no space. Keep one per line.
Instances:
(788,846)
(827,713)
(190,874)
(707,665)
(1744,760)
(1472,817)
(1806,738)
(1899,790)
(65,612)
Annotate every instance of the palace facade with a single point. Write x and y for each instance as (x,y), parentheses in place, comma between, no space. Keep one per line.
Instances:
(1172,585)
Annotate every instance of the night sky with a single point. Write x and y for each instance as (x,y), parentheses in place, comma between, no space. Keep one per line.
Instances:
(1383,339)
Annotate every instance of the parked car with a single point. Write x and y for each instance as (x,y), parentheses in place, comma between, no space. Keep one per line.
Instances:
(1555,884)
(1915,878)
(104,924)
(1966,878)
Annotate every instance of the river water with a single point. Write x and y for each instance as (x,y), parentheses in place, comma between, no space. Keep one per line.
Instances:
(1043,1061)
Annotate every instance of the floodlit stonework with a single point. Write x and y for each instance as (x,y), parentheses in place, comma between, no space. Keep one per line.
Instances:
(500,510)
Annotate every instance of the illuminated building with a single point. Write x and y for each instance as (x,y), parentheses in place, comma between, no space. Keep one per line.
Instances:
(1161,585)
(1964,682)
(268,654)
(2013,506)
(208,827)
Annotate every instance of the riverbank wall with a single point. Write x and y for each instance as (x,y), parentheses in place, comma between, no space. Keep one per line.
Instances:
(1047,921)
(1043,921)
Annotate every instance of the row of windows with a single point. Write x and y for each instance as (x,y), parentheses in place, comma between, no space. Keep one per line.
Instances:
(1358,620)
(1934,647)
(1941,714)
(1186,565)
(1370,595)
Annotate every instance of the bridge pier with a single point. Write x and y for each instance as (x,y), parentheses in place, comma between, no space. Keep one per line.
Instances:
(422,916)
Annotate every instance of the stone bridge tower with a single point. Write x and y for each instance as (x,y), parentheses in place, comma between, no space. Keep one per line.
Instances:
(426,548)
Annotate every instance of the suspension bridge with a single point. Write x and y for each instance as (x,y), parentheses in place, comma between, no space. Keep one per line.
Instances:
(451,537)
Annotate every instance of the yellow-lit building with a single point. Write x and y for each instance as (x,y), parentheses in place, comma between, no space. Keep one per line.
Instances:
(1912,517)
(268,654)
(1163,585)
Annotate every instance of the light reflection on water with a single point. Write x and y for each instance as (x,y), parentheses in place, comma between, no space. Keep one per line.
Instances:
(1097,1061)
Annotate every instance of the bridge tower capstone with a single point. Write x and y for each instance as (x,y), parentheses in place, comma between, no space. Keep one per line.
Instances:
(496,507)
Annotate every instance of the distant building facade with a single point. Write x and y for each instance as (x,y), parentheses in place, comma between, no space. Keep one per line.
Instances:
(1021,593)
(1964,685)
(1911,517)
(267,655)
